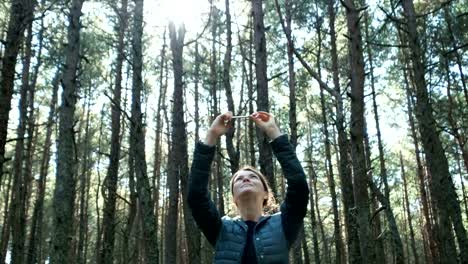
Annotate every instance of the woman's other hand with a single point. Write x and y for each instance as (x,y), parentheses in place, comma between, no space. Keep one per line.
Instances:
(219,127)
(266,122)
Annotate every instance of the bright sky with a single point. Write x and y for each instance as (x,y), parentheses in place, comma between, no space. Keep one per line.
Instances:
(192,13)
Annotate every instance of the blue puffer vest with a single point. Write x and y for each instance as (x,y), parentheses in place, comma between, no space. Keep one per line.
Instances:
(269,240)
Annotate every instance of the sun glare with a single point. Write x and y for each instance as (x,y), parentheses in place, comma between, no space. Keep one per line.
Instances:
(192,13)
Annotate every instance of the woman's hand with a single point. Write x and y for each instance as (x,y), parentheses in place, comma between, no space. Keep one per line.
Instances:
(219,127)
(266,122)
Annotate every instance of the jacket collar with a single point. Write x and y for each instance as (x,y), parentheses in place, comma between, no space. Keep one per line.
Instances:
(238,220)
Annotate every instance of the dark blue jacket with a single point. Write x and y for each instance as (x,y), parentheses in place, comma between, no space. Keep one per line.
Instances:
(274,234)
(270,242)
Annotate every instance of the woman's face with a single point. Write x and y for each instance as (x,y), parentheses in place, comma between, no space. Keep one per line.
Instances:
(247,182)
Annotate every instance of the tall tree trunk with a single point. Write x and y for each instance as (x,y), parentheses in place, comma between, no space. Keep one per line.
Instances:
(250,92)
(408,212)
(130,242)
(137,140)
(312,176)
(21,15)
(112,176)
(379,252)
(428,230)
(233,151)
(326,250)
(158,155)
(395,234)
(28,170)
(83,182)
(292,75)
(196,92)
(35,238)
(17,211)
(178,149)
(361,195)
(328,164)
(64,193)
(442,187)
(347,191)
(266,156)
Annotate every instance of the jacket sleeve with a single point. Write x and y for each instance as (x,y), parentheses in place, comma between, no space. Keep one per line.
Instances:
(203,209)
(294,207)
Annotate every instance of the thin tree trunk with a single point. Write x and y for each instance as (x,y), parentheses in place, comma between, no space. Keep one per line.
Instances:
(347,189)
(305,249)
(312,175)
(431,243)
(158,151)
(379,252)
(395,234)
(329,166)
(233,152)
(109,218)
(21,15)
(35,246)
(250,95)
(361,195)
(137,139)
(326,250)
(266,156)
(178,149)
(196,92)
(32,129)
(64,193)
(442,187)
(408,212)
(292,75)
(83,185)
(129,240)
(17,212)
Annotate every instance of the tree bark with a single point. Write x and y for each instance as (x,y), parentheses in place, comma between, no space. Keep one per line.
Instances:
(64,193)
(110,197)
(232,150)
(21,15)
(178,151)
(83,183)
(347,188)
(137,140)
(17,212)
(312,175)
(35,238)
(196,92)
(395,234)
(442,187)
(428,229)
(158,150)
(361,195)
(266,156)
(329,167)
(408,212)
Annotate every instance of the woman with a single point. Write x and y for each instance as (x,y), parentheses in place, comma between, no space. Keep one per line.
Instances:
(253,237)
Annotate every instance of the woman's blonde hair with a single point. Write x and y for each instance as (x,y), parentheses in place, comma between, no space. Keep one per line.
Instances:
(269,204)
